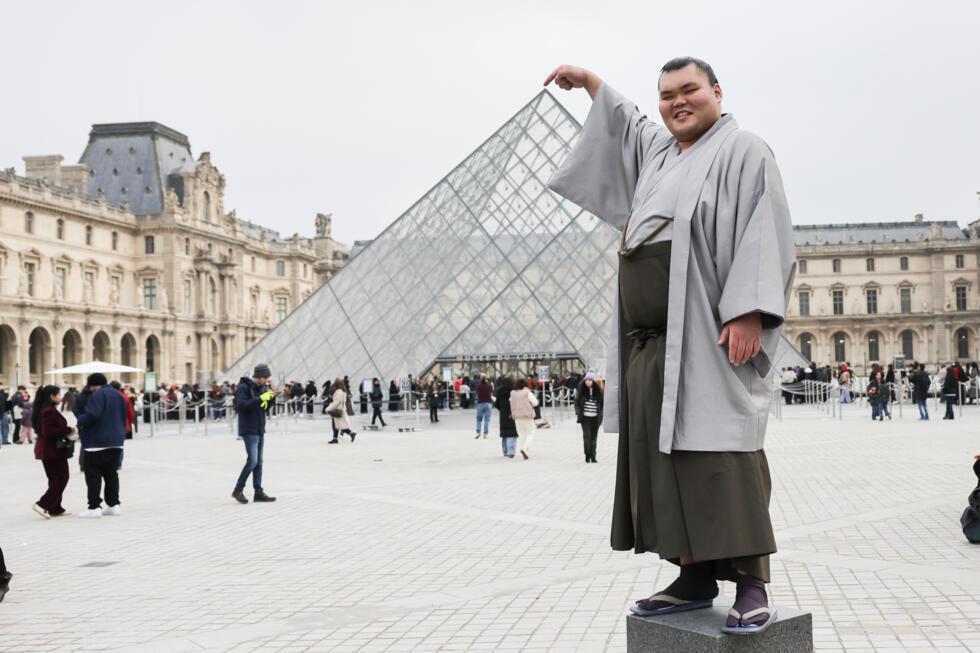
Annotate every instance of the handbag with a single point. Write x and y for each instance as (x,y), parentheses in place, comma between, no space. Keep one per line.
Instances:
(335,412)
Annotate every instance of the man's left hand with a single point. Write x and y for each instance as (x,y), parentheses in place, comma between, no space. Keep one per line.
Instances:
(744,336)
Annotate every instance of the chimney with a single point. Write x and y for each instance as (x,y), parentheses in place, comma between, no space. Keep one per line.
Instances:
(47,167)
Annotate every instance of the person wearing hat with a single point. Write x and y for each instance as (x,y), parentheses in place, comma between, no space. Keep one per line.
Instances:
(103,432)
(588,411)
(252,397)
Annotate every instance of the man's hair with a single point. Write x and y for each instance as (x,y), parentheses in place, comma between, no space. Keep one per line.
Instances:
(684,62)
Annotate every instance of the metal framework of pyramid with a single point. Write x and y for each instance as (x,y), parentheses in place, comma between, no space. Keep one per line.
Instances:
(488,263)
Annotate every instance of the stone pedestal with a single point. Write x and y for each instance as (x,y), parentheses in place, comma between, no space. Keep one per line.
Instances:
(699,631)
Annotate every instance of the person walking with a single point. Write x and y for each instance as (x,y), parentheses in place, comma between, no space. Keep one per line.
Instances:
(27,423)
(103,433)
(394,396)
(338,412)
(252,397)
(920,391)
(377,399)
(434,400)
(484,405)
(522,405)
(508,429)
(877,396)
(588,412)
(55,445)
(950,390)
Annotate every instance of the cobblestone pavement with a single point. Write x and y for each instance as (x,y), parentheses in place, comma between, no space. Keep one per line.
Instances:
(432,541)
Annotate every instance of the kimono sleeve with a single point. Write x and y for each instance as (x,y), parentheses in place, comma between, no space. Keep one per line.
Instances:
(763,263)
(601,171)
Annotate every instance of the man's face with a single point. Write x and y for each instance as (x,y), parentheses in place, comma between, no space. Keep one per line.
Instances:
(261,380)
(689,104)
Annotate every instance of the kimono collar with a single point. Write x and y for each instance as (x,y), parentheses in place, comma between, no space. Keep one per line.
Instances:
(706,136)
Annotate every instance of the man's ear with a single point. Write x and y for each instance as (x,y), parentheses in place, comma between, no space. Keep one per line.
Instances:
(717,91)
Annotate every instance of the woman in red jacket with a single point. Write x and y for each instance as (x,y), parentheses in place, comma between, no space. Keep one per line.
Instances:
(52,427)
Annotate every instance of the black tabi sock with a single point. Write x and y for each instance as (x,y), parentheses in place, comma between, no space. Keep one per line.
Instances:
(750,594)
(695,583)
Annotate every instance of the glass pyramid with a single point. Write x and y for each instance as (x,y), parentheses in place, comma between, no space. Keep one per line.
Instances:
(488,263)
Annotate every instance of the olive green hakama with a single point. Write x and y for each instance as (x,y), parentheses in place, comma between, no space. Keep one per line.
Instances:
(709,505)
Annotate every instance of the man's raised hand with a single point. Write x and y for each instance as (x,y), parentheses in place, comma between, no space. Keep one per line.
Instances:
(744,336)
(569,77)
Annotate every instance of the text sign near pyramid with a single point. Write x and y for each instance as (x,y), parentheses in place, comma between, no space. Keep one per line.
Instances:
(489,264)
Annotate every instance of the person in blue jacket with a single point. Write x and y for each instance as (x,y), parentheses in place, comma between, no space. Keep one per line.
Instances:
(252,397)
(102,430)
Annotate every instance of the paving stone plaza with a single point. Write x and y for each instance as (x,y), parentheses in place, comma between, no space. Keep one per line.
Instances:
(432,541)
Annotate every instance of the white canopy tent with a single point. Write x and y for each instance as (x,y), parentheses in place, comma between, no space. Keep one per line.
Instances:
(95,366)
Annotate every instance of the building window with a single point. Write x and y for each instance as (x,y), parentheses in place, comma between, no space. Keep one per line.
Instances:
(304,270)
(872,296)
(963,343)
(280,309)
(61,229)
(150,294)
(869,264)
(836,264)
(873,353)
(206,207)
(903,263)
(253,264)
(838,296)
(114,282)
(149,246)
(29,273)
(29,222)
(280,268)
(115,240)
(801,266)
(905,299)
(959,260)
(961,298)
(840,351)
(908,344)
(804,303)
(187,295)
(187,247)
(90,280)
(806,346)
(212,297)
(60,274)
(88,234)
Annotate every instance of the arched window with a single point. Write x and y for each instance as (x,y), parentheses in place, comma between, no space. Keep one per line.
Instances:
(908,344)
(806,346)
(212,297)
(840,347)
(115,240)
(88,234)
(152,353)
(29,222)
(206,207)
(963,343)
(874,352)
(61,232)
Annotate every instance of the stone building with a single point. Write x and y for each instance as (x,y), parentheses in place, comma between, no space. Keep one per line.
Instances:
(130,257)
(868,292)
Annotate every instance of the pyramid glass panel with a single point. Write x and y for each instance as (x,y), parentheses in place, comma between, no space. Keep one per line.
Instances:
(488,262)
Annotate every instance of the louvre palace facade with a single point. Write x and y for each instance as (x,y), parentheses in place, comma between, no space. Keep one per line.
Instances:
(129,257)
(867,292)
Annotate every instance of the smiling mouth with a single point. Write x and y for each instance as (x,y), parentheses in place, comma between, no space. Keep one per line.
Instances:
(682,114)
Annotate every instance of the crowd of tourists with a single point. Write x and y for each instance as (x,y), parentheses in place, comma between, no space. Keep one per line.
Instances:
(953,383)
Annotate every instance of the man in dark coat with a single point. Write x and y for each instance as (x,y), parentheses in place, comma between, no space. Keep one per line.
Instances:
(920,390)
(252,397)
(103,432)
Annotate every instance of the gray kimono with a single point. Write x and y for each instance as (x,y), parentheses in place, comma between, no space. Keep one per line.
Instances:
(732,254)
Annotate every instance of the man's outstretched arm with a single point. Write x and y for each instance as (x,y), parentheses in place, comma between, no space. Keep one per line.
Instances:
(569,77)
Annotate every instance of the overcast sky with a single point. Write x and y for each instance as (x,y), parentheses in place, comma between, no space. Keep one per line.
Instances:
(358,108)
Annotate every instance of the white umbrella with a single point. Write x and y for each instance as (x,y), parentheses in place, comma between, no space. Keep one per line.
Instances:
(94,366)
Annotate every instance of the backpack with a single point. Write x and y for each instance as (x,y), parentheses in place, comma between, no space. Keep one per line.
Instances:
(970,520)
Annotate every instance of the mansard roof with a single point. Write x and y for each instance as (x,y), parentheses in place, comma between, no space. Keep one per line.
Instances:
(849,233)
